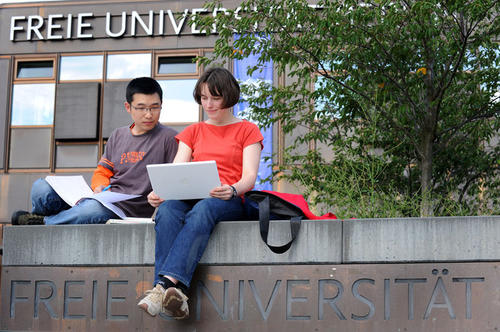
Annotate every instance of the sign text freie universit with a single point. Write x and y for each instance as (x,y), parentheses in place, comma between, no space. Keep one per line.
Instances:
(126,24)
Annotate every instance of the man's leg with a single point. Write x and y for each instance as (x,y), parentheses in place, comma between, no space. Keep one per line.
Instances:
(87,211)
(45,201)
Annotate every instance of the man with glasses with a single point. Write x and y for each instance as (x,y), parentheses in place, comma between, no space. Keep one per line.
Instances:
(121,169)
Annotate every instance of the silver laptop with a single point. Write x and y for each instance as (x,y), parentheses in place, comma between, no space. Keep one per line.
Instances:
(192,180)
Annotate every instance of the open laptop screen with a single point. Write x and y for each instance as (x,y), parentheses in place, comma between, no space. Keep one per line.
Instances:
(192,180)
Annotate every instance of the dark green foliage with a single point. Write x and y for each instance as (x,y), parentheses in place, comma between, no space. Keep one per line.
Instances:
(403,95)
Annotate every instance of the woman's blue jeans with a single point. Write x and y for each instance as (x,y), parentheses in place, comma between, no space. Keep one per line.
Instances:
(46,202)
(182,232)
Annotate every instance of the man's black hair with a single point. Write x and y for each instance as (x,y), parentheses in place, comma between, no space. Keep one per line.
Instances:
(144,85)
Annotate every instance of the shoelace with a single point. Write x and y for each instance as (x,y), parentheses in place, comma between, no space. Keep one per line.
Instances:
(154,292)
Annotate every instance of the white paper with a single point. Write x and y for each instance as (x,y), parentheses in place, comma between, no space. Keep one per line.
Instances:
(73,188)
(70,188)
(131,220)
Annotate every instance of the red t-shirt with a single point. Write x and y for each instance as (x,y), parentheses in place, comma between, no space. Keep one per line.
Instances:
(224,144)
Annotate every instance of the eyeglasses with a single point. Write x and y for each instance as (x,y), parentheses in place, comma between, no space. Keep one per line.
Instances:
(143,110)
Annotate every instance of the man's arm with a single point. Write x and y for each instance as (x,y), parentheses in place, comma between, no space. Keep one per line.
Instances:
(100,179)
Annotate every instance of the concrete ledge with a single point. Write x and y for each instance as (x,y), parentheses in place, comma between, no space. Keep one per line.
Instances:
(422,239)
(239,243)
(233,242)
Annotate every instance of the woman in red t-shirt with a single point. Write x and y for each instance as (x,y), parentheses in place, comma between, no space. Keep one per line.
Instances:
(184,227)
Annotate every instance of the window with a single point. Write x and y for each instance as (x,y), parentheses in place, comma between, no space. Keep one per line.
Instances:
(65,106)
(178,103)
(32,113)
(128,66)
(33,104)
(82,67)
(176,65)
(177,75)
(325,107)
(35,69)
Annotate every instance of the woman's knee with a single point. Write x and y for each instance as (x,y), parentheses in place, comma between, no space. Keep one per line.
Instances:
(212,208)
(170,211)
(203,216)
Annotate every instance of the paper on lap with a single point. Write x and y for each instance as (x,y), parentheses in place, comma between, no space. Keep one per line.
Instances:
(74,187)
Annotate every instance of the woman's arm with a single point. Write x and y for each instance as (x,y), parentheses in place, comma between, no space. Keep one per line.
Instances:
(184,153)
(251,159)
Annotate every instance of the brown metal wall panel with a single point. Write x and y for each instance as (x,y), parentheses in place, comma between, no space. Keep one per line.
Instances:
(16,189)
(4,107)
(114,114)
(77,111)
(342,298)
(79,155)
(30,147)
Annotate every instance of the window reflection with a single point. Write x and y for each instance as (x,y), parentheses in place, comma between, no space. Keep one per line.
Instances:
(33,104)
(176,65)
(86,67)
(128,65)
(178,102)
(325,105)
(31,69)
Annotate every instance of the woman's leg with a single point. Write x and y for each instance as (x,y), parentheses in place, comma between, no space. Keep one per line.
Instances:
(169,220)
(191,239)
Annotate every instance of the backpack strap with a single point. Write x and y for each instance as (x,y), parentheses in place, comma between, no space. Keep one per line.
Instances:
(264,213)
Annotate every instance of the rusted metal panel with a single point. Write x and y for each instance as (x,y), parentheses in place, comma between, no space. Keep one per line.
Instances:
(1,246)
(371,297)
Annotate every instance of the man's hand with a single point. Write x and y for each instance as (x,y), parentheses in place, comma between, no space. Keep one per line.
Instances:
(154,200)
(99,189)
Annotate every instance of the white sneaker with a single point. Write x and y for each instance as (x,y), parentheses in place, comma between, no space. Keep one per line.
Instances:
(152,303)
(175,303)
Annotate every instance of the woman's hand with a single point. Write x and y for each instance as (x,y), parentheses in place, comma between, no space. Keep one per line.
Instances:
(154,200)
(224,192)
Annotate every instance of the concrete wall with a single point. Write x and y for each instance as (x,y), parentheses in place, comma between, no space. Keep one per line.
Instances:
(444,275)
(238,242)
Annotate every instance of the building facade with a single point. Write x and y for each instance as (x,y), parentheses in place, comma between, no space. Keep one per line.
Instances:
(65,66)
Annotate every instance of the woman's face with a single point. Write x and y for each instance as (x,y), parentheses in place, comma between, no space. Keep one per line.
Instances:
(212,105)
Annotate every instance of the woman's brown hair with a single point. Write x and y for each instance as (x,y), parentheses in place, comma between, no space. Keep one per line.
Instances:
(221,83)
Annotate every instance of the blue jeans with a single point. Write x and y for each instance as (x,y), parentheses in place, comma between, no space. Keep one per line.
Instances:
(46,202)
(182,232)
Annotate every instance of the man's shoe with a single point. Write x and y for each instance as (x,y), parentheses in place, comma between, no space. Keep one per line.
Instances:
(175,303)
(25,218)
(152,302)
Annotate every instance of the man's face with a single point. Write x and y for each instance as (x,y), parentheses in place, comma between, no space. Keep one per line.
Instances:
(145,112)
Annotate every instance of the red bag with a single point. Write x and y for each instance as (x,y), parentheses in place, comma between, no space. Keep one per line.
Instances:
(301,203)
(272,205)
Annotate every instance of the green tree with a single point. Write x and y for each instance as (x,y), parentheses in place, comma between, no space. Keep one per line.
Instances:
(404,95)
